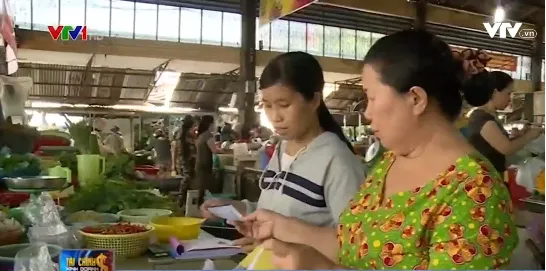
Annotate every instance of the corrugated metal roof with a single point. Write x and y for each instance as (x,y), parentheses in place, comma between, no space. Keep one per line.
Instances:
(345,96)
(205,91)
(108,86)
(77,84)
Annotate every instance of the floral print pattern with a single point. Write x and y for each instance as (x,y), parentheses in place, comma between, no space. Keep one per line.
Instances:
(460,220)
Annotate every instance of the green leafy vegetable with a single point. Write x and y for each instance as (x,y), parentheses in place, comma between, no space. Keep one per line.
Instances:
(114,195)
(84,139)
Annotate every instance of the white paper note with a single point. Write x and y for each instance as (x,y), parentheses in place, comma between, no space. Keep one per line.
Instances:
(227,212)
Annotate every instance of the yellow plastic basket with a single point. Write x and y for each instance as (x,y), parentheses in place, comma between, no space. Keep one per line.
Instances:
(123,245)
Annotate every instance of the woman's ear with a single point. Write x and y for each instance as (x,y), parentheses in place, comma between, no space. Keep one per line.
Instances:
(317,99)
(418,100)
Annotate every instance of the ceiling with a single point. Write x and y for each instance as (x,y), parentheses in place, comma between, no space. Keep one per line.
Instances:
(112,86)
(74,78)
(527,11)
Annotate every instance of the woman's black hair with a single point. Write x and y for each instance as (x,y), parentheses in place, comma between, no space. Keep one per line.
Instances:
(187,123)
(417,58)
(204,124)
(303,73)
(479,89)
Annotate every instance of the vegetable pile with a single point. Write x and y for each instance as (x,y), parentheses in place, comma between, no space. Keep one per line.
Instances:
(8,225)
(17,165)
(84,139)
(113,195)
(120,228)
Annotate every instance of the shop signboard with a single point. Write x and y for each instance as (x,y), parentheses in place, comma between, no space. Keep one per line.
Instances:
(271,10)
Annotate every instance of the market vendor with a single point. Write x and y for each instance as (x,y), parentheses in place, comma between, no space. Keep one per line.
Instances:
(183,157)
(490,91)
(313,172)
(205,148)
(431,203)
(161,146)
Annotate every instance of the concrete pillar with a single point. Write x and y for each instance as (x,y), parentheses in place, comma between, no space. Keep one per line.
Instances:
(420,14)
(3,70)
(536,72)
(247,92)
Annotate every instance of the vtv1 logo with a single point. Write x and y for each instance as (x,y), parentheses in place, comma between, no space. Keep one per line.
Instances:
(67,32)
(513,30)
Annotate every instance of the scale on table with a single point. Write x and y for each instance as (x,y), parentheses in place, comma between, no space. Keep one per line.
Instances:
(36,185)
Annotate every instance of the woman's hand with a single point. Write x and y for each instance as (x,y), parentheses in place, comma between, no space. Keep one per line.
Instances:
(247,244)
(289,256)
(240,206)
(263,224)
(535,132)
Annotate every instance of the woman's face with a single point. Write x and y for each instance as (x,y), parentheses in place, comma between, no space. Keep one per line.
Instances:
(288,111)
(501,99)
(391,114)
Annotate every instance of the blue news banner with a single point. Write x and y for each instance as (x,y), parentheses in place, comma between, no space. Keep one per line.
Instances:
(86,260)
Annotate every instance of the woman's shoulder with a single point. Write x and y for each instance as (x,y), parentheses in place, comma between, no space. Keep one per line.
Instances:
(479,116)
(480,180)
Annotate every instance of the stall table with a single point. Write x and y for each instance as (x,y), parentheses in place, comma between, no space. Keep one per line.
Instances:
(146,263)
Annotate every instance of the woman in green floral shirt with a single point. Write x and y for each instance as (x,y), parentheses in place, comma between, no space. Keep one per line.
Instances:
(431,202)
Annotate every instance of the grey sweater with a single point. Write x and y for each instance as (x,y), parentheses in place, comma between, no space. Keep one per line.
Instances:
(317,186)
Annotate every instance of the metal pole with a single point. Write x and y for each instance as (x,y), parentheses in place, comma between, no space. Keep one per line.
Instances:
(536,72)
(3,71)
(246,94)
(420,14)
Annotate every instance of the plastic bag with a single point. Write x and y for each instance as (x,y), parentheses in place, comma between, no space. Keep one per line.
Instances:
(13,95)
(528,172)
(47,226)
(35,258)
(536,146)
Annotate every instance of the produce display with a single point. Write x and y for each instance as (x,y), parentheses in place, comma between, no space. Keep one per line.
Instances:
(10,230)
(17,165)
(84,139)
(114,195)
(86,216)
(8,224)
(113,229)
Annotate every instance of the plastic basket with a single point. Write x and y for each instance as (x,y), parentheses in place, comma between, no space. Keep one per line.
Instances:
(123,245)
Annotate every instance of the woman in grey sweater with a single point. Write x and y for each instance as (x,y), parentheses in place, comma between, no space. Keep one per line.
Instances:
(314,172)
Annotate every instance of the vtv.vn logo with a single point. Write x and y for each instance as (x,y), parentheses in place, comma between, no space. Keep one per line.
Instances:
(507,29)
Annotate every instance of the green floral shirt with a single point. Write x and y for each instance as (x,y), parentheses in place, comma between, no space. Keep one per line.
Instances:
(460,220)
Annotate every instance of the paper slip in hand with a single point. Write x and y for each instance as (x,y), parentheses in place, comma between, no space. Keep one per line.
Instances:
(227,212)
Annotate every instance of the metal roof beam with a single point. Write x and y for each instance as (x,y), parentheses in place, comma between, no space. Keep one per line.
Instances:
(435,14)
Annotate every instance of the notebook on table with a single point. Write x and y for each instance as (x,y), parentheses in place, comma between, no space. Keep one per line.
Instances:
(205,248)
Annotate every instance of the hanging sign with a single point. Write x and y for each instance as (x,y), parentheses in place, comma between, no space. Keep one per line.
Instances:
(271,10)
(493,61)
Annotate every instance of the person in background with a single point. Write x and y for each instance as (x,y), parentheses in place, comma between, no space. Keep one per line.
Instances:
(218,134)
(227,133)
(114,141)
(432,202)
(183,157)
(260,132)
(491,91)
(162,148)
(313,172)
(206,147)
